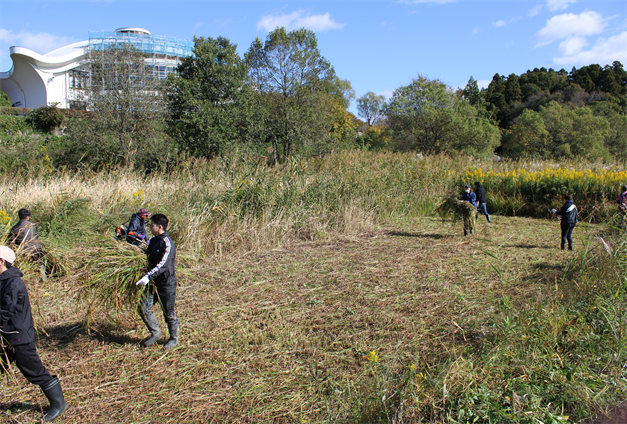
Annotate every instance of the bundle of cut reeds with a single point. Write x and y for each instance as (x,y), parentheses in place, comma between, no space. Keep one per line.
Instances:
(454,208)
(110,274)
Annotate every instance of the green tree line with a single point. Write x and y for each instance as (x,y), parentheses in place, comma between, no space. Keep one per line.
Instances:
(282,98)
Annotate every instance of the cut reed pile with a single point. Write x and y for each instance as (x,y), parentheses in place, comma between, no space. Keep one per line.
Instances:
(107,281)
(454,208)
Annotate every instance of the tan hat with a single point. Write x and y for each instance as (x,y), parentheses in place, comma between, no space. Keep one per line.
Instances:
(7,254)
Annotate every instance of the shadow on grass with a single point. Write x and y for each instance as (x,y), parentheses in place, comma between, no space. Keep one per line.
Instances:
(65,334)
(12,407)
(529,246)
(60,334)
(418,235)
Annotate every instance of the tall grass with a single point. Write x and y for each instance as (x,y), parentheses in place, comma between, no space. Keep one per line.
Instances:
(525,348)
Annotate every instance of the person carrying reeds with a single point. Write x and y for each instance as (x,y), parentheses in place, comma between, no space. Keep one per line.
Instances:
(568,220)
(24,235)
(136,232)
(469,218)
(622,205)
(18,335)
(160,282)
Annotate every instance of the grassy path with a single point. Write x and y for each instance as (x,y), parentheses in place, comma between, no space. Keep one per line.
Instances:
(284,335)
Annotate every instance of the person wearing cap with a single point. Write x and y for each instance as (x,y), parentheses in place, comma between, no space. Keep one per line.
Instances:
(622,205)
(481,200)
(136,232)
(18,335)
(469,221)
(24,235)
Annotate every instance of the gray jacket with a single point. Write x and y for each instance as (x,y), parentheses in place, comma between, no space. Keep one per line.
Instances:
(24,234)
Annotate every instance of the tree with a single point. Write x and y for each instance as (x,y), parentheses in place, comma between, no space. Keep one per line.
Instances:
(575,132)
(292,80)
(370,107)
(127,110)
(209,99)
(513,94)
(427,116)
(528,137)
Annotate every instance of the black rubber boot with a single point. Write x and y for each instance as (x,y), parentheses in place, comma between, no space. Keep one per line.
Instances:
(173,328)
(53,392)
(151,323)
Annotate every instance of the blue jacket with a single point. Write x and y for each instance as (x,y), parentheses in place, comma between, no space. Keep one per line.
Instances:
(137,226)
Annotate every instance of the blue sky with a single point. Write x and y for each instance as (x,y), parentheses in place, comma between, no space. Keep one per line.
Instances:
(377,45)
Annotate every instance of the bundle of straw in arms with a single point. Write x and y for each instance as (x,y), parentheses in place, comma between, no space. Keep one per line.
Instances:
(454,208)
(109,278)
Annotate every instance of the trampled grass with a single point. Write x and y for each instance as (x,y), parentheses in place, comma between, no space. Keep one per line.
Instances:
(322,295)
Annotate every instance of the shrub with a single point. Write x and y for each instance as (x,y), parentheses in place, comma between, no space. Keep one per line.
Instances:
(46,118)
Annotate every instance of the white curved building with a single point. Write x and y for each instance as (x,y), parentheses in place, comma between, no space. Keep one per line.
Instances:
(60,76)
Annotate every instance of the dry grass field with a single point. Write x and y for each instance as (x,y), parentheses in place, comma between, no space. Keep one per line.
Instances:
(367,327)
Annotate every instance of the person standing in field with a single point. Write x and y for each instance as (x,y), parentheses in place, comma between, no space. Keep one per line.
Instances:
(161,283)
(568,220)
(18,335)
(622,205)
(469,220)
(24,235)
(481,200)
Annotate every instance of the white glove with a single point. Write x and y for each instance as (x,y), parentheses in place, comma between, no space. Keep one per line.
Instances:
(143,281)
(553,210)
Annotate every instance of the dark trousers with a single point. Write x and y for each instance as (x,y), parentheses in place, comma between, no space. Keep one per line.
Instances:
(27,360)
(165,297)
(567,233)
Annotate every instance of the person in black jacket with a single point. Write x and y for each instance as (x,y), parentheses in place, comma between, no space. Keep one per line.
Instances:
(481,200)
(161,283)
(18,334)
(568,214)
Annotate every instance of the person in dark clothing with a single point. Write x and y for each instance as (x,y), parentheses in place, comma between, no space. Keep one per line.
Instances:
(622,205)
(161,283)
(24,235)
(568,221)
(136,231)
(469,221)
(18,334)
(481,200)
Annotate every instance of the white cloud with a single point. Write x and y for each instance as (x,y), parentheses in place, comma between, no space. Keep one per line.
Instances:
(499,23)
(41,43)
(572,45)
(570,24)
(535,10)
(298,19)
(605,51)
(555,5)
